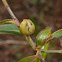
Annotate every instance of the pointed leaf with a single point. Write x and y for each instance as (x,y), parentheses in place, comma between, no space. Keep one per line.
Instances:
(7,21)
(57,34)
(42,36)
(9,29)
(27,59)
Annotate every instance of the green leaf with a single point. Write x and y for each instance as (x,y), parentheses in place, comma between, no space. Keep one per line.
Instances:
(57,34)
(44,34)
(37,60)
(7,21)
(9,29)
(27,59)
(46,48)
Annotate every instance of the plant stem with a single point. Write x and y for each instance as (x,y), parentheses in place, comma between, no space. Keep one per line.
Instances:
(30,41)
(10,12)
(40,56)
(28,38)
(52,51)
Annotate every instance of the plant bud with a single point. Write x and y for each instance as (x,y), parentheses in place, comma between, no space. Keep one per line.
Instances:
(27,27)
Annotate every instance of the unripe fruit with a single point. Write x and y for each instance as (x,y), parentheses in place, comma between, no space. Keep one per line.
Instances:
(27,27)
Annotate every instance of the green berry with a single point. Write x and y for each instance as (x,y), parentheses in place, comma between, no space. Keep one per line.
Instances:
(27,27)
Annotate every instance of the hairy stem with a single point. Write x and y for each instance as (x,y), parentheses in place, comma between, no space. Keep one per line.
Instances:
(52,51)
(10,12)
(30,41)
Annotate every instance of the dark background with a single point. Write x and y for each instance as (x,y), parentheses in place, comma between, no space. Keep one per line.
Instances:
(44,13)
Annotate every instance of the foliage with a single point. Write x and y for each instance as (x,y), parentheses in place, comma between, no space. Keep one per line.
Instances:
(9,29)
(57,34)
(46,48)
(27,59)
(27,27)
(42,36)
